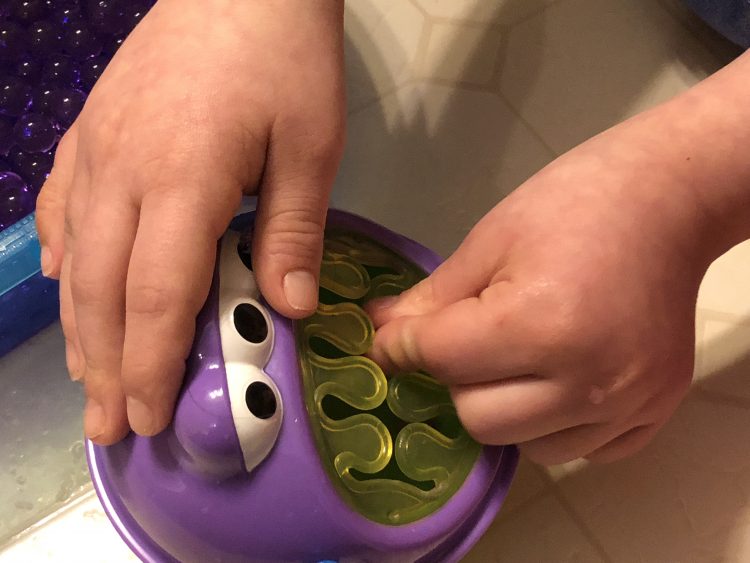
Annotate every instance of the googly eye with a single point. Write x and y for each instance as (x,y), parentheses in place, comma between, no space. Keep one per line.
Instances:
(257,411)
(250,323)
(260,400)
(244,252)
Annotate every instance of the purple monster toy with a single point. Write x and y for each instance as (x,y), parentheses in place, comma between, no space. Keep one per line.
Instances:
(289,445)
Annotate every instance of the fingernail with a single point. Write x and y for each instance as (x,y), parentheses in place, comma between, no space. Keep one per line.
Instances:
(46,260)
(93,420)
(301,290)
(71,358)
(140,417)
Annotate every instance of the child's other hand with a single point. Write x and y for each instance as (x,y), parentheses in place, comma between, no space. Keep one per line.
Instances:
(565,321)
(204,101)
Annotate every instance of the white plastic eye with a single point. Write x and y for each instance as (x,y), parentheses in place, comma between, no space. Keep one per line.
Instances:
(247,342)
(256,410)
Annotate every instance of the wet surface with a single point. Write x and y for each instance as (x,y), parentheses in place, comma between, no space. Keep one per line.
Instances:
(42,460)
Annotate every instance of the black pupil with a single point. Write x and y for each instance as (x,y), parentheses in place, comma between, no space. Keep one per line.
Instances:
(260,400)
(250,323)
(243,249)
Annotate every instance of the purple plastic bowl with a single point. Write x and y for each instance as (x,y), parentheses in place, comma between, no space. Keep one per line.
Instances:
(185,494)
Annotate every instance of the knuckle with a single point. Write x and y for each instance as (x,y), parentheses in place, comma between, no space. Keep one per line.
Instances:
(139,374)
(152,374)
(328,144)
(150,300)
(66,145)
(293,233)
(423,293)
(86,290)
(320,140)
(497,316)
(47,201)
(68,226)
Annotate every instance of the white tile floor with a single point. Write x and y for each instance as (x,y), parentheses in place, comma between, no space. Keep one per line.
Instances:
(453,103)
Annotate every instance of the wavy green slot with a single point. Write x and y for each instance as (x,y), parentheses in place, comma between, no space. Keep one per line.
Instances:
(393,446)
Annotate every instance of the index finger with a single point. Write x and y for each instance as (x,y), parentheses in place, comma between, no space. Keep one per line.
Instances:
(168,281)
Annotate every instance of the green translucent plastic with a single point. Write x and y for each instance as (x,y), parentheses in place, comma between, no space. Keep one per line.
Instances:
(393,446)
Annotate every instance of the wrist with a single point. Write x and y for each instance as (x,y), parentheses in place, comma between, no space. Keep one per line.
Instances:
(696,145)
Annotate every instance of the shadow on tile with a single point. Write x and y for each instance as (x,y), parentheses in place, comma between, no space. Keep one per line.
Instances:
(602,61)
(432,157)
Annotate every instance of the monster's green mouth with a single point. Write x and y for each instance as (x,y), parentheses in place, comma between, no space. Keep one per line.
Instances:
(393,446)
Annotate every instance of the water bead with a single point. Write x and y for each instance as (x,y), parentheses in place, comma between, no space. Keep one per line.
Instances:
(91,70)
(26,11)
(62,47)
(43,99)
(16,201)
(29,69)
(33,167)
(106,16)
(12,40)
(66,14)
(6,134)
(44,37)
(53,5)
(111,44)
(15,96)
(81,42)
(134,13)
(60,69)
(35,132)
(67,104)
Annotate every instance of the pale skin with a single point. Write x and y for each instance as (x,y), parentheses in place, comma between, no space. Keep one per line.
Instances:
(564,321)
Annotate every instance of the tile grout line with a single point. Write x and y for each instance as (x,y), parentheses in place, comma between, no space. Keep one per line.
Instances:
(419,7)
(578,521)
(495,79)
(545,491)
(555,490)
(423,47)
(555,154)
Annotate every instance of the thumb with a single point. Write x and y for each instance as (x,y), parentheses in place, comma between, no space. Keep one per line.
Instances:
(292,207)
(472,340)
(467,272)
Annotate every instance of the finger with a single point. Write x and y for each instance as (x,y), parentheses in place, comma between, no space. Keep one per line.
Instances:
(168,280)
(624,445)
(75,208)
(51,203)
(469,270)
(100,263)
(475,340)
(73,354)
(572,443)
(520,409)
(292,207)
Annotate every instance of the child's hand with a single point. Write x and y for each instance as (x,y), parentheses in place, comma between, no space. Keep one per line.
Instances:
(565,321)
(203,101)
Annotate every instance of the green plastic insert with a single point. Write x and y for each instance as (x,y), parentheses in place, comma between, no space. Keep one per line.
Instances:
(392,445)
